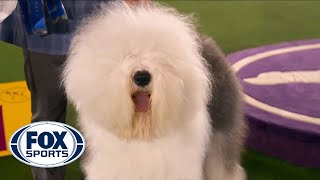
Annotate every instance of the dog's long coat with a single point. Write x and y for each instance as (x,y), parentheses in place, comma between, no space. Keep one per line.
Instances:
(177,138)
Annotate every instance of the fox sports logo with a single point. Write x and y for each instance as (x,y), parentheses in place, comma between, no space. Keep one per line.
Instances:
(47,144)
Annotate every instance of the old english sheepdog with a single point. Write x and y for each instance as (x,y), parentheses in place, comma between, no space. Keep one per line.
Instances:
(156,100)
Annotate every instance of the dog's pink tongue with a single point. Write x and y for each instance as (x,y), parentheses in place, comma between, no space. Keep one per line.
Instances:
(141,101)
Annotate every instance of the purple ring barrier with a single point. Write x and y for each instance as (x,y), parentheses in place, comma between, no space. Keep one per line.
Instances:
(282,94)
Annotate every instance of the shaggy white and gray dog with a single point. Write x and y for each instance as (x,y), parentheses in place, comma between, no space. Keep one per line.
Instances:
(155,100)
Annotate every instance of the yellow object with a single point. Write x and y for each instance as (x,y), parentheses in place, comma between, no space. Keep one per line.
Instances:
(15,111)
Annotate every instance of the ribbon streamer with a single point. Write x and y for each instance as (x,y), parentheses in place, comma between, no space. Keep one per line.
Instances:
(36,13)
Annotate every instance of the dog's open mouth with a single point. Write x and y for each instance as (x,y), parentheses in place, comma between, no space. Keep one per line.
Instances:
(141,101)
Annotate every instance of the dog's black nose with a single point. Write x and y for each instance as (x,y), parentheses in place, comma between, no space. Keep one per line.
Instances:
(142,78)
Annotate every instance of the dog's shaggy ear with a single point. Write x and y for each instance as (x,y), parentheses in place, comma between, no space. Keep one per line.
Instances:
(226,104)
(210,50)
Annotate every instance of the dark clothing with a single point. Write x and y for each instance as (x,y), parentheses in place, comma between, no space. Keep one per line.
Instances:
(49,174)
(42,72)
(48,101)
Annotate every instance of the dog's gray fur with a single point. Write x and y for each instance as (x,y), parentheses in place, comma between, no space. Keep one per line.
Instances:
(227,120)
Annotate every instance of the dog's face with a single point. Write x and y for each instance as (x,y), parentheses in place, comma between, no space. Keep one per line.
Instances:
(137,72)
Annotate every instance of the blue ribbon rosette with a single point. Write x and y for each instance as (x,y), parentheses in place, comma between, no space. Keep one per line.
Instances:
(37,12)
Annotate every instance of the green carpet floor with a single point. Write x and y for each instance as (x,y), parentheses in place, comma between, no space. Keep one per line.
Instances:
(235,25)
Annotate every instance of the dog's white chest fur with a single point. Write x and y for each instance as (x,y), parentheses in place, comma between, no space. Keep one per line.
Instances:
(176,157)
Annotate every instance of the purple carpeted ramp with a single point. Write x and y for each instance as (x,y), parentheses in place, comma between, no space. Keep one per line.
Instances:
(282,94)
